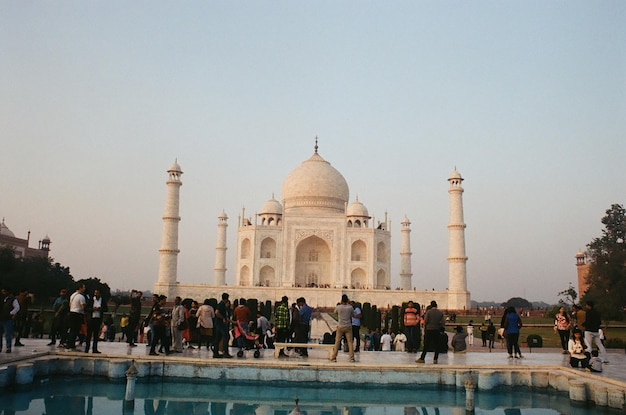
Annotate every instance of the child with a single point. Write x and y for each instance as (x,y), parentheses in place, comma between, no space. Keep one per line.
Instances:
(595,363)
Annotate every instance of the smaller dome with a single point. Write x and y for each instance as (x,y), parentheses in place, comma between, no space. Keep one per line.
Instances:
(357,208)
(4,230)
(272,207)
(405,221)
(223,215)
(455,175)
(46,239)
(175,167)
(580,254)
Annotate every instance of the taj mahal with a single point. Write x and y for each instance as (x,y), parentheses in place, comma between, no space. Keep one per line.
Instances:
(316,244)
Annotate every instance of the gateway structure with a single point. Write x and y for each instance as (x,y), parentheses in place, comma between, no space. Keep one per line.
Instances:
(314,243)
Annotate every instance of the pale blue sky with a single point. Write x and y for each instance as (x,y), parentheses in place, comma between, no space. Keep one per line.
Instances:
(527,99)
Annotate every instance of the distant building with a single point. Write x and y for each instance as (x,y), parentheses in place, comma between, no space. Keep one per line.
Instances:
(20,246)
(582,268)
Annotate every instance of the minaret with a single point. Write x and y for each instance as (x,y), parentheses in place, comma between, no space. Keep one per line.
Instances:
(405,255)
(168,254)
(220,250)
(457,260)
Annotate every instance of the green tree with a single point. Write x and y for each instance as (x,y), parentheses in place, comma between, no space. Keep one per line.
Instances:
(517,302)
(40,276)
(568,297)
(607,265)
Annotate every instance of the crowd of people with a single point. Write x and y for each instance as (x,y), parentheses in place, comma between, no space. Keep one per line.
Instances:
(80,321)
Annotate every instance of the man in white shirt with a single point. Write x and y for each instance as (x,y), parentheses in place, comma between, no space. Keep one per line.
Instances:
(96,307)
(77,314)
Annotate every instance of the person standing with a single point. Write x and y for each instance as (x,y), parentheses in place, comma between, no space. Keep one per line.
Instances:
(357,314)
(562,327)
(434,322)
(21,318)
(512,324)
(222,318)
(95,309)
(282,323)
(205,316)
(60,307)
(399,342)
(262,327)
(592,324)
(133,319)
(344,327)
(178,317)
(385,341)
(242,318)
(411,320)
(581,316)
(160,321)
(470,332)
(10,307)
(77,315)
(304,325)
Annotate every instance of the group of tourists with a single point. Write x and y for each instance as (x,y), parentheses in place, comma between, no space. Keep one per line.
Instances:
(577,331)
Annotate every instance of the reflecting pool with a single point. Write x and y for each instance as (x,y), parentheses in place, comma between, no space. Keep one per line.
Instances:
(88,396)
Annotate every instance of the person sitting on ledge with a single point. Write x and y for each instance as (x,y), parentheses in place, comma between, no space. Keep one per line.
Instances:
(576,348)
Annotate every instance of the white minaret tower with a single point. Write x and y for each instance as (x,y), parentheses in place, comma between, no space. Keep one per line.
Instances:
(168,254)
(220,249)
(405,255)
(457,275)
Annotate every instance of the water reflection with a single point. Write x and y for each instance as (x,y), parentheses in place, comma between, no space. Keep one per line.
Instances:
(71,396)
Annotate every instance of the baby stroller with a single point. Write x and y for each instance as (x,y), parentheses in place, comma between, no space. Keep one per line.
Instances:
(246,340)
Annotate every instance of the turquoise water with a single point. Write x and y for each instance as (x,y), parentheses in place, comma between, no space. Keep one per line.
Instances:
(87,396)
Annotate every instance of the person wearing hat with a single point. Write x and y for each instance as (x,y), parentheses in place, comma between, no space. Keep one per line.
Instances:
(434,322)
(458,340)
(59,325)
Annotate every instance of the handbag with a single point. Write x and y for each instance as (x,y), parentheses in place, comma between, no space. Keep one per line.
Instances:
(183,325)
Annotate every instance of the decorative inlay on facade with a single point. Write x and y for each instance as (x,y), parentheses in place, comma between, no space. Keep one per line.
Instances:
(305,233)
(315,202)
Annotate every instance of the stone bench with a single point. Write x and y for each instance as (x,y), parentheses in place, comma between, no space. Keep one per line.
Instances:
(281,346)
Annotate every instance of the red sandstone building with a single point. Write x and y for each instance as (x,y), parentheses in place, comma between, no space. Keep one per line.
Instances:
(582,268)
(20,246)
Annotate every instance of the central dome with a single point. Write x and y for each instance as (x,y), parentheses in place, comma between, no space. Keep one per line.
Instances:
(315,184)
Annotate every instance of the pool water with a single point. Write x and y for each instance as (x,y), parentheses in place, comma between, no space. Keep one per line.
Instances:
(88,396)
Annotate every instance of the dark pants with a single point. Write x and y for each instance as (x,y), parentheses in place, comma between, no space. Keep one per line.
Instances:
(564,336)
(76,320)
(6,330)
(575,362)
(411,335)
(93,330)
(512,343)
(431,341)
(59,328)
(131,330)
(356,334)
(302,336)
(221,334)
(160,335)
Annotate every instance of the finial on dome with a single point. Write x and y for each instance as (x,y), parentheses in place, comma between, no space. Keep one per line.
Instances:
(316,147)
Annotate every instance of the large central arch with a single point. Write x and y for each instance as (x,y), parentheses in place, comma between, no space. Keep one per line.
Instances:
(313,263)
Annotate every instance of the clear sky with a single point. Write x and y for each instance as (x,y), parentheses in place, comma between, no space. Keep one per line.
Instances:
(526,99)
